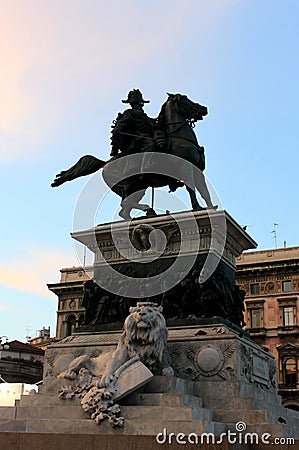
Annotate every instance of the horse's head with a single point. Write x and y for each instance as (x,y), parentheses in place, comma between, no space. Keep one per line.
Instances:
(188,109)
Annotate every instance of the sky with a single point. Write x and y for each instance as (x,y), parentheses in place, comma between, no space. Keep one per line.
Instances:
(65,66)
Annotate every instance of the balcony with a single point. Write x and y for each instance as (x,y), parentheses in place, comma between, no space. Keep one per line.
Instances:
(288,330)
(257,331)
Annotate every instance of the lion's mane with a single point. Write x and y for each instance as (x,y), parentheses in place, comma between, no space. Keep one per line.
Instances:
(145,334)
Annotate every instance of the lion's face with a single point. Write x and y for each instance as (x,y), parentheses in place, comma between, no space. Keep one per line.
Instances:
(145,316)
(145,332)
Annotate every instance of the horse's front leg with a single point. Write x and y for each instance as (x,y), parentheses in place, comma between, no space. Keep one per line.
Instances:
(130,202)
(125,211)
(142,206)
(194,203)
(135,199)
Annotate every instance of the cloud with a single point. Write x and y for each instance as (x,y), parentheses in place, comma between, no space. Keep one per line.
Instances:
(55,53)
(34,271)
(5,307)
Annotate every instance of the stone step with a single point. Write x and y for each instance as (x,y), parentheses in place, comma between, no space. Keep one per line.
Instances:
(275,430)
(7,412)
(51,412)
(12,425)
(139,399)
(47,400)
(132,426)
(162,400)
(169,413)
(229,403)
(251,416)
(168,407)
(163,384)
(61,441)
(129,412)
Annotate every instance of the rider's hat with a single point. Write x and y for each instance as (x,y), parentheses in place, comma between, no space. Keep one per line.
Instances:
(135,96)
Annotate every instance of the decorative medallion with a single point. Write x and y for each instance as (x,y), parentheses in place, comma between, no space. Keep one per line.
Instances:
(209,360)
(270,287)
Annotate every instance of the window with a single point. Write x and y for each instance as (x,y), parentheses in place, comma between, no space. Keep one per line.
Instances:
(255,311)
(287,286)
(255,318)
(254,289)
(288,316)
(290,371)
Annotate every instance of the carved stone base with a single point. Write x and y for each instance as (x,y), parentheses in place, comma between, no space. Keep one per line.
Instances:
(222,380)
(220,365)
(191,275)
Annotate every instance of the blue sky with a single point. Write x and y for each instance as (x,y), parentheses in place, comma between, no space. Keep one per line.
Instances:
(64,68)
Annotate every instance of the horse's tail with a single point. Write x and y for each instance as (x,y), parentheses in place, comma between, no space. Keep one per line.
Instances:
(85,166)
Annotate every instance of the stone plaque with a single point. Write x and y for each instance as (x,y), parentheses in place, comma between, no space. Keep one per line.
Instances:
(260,368)
(131,378)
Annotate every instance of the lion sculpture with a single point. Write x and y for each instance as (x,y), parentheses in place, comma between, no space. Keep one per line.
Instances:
(144,337)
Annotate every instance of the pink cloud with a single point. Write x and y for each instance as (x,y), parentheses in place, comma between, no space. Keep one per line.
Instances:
(34,270)
(53,52)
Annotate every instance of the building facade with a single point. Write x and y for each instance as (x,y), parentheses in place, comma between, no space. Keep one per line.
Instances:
(21,363)
(270,279)
(69,291)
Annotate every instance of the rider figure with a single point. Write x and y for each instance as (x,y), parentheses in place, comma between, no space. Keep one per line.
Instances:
(133,131)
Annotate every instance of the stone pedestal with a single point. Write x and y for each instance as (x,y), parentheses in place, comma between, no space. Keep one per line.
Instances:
(221,379)
(184,261)
(198,233)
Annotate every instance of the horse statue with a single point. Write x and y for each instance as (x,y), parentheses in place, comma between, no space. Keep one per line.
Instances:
(175,122)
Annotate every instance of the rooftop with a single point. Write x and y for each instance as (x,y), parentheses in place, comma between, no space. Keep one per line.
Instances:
(268,256)
(21,346)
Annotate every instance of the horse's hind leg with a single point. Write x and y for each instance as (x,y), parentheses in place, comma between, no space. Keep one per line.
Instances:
(194,203)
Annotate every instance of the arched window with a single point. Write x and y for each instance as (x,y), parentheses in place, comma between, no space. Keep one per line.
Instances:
(290,371)
(70,325)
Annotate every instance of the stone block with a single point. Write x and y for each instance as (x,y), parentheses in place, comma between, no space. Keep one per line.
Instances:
(275,430)
(249,417)
(216,389)
(166,384)
(175,413)
(181,426)
(13,425)
(228,403)
(10,441)
(38,441)
(143,399)
(141,427)
(39,400)
(7,412)
(191,400)
(51,412)
(65,426)
(214,427)
(142,412)
(202,414)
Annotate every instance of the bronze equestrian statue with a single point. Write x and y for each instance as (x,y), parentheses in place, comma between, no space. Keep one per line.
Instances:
(139,137)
